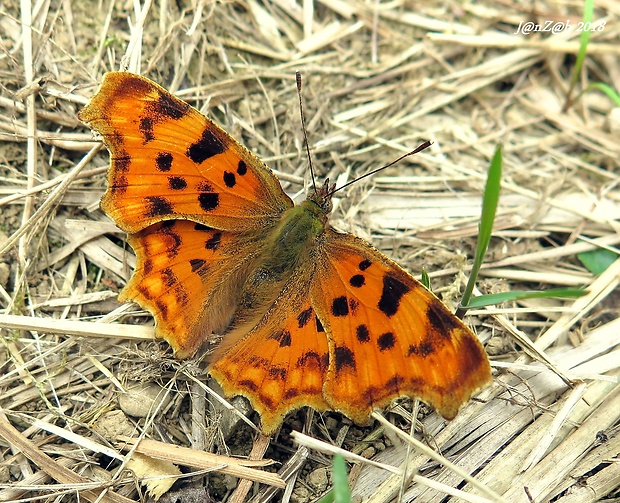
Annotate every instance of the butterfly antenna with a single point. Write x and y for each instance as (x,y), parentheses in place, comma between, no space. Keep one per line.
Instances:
(423,146)
(303,126)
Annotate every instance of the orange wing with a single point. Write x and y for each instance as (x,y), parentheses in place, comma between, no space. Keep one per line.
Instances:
(280,365)
(388,335)
(186,275)
(170,162)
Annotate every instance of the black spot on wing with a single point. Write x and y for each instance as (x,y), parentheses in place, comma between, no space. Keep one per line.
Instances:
(395,383)
(144,291)
(177,183)
(344,357)
(213,243)
(325,361)
(147,268)
(393,291)
(172,239)
(440,319)
(162,308)
(167,106)
(283,337)
(146,128)
(117,140)
(173,251)
(259,362)
(209,201)
(181,295)
(202,228)
(122,160)
(362,334)
(267,401)
(158,206)
(230,179)
(205,186)
(304,317)
(278,373)
(163,161)
(168,277)
(119,185)
(319,325)
(340,306)
(365,264)
(423,349)
(292,393)
(251,385)
(207,146)
(357,281)
(386,341)
(196,264)
(242,168)
(353,305)
(308,358)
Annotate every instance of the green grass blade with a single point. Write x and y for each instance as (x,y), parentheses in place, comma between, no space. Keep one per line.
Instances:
(489,208)
(584,40)
(327,497)
(342,493)
(498,298)
(425,279)
(605,89)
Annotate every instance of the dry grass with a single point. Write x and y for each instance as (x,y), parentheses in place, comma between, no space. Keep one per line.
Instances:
(379,79)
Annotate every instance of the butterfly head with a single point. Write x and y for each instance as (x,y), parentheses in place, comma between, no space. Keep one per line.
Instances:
(322,197)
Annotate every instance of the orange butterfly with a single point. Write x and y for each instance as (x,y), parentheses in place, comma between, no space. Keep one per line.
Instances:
(309,316)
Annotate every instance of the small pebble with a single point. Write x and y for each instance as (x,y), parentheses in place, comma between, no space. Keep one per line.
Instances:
(331,424)
(369,452)
(319,479)
(300,495)
(142,399)
(112,424)
(613,120)
(496,346)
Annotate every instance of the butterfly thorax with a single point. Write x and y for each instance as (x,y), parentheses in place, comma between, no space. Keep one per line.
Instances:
(288,246)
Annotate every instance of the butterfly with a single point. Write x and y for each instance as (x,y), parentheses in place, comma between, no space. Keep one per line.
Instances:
(309,316)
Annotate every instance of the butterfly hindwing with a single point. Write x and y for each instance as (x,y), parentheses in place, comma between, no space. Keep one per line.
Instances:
(169,161)
(389,336)
(281,364)
(187,275)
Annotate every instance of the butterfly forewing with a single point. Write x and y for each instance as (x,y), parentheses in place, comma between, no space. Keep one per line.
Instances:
(169,161)
(389,336)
